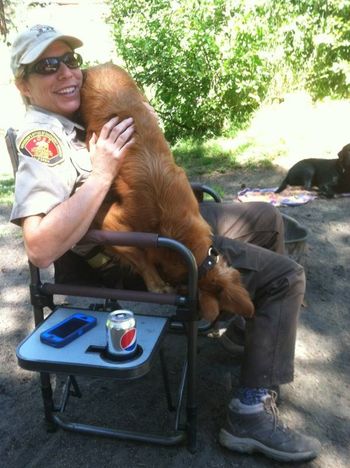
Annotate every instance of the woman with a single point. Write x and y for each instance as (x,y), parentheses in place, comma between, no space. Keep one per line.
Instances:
(54,97)
(60,186)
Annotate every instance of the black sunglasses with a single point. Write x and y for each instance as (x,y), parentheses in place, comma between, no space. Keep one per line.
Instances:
(50,65)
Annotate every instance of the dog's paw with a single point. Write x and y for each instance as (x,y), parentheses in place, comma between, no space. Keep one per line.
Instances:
(167,289)
(162,289)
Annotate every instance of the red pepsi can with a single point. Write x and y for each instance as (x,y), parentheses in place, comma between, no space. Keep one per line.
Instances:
(121,333)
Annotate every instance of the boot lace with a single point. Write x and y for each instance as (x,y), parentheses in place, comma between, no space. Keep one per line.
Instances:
(271,408)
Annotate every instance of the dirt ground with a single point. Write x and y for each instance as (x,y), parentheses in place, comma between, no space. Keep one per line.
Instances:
(317,402)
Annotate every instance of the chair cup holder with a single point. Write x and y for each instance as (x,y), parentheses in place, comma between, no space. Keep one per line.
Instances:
(109,357)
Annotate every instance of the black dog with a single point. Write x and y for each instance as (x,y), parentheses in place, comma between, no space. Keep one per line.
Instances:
(331,176)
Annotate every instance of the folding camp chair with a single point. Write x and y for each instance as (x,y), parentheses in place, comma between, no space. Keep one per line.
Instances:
(86,355)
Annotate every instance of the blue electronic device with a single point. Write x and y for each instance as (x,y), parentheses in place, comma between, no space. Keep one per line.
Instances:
(68,330)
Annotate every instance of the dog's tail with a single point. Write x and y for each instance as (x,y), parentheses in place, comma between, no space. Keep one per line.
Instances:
(282,186)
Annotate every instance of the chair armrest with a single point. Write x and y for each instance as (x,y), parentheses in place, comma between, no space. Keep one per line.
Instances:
(134,239)
(144,240)
(10,139)
(200,189)
(138,239)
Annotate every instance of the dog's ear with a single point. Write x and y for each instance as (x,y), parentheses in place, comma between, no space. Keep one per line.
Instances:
(345,150)
(84,72)
(209,306)
(235,299)
(221,290)
(344,156)
(233,296)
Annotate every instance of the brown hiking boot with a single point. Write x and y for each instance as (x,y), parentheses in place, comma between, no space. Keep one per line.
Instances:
(258,429)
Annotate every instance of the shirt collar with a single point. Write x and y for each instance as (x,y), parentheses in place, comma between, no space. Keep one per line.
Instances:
(69,125)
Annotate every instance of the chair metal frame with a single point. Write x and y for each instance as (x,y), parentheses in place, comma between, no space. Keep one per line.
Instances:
(186,311)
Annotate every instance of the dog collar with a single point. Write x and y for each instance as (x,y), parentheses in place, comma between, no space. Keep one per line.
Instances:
(209,262)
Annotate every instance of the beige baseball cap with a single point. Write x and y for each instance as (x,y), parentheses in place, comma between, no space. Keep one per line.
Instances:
(32,42)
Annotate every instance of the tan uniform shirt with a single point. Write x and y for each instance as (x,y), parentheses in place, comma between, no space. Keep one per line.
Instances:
(53,163)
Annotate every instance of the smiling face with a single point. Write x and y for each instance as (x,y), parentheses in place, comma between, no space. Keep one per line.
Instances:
(59,92)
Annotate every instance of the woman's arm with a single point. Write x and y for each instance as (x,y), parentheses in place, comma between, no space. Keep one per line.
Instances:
(49,236)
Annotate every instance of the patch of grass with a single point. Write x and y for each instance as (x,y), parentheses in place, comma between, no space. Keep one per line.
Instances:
(203,157)
(264,161)
(7,187)
(219,155)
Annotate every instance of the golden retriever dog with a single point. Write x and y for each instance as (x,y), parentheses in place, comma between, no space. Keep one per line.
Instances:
(152,194)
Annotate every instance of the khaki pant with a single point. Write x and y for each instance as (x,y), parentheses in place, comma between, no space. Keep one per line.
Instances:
(257,223)
(276,285)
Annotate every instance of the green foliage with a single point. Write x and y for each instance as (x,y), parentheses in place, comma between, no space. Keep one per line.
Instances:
(9,10)
(198,63)
(330,74)
(207,65)
(315,38)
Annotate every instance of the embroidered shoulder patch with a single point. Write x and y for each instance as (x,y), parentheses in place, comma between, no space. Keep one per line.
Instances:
(43,146)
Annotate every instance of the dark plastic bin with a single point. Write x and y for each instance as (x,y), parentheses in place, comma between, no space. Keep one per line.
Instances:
(295,238)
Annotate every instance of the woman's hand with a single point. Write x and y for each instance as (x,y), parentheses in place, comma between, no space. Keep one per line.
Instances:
(109,149)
